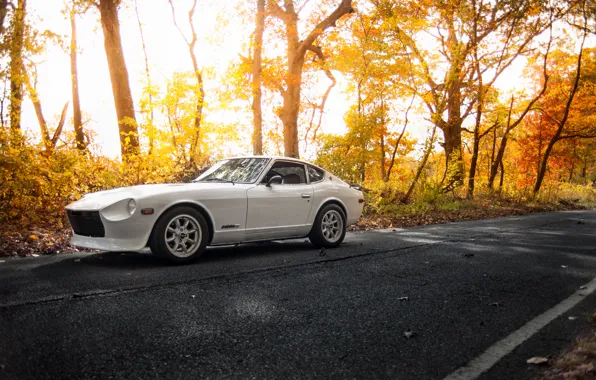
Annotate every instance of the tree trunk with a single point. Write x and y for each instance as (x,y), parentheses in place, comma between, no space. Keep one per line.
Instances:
(428,150)
(43,125)
(382,158)
(76,103)
(291,103)
(453,155)
(479,105)
(494,147)
(473,164)
(127,124)
(498,162)
(257,137)
(148,75)
(572,168)
(3,12)
(502,176)
(454,166)
(296,50)
(17,69)
(398,141)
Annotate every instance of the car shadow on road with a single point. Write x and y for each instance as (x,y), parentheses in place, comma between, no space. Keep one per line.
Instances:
(131,260)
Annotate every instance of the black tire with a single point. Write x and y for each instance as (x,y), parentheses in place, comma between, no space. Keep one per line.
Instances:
(181,253)
(319,237)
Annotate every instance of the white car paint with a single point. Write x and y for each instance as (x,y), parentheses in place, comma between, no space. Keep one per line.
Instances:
(255,211)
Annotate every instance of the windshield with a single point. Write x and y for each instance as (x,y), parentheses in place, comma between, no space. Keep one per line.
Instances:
(238,170)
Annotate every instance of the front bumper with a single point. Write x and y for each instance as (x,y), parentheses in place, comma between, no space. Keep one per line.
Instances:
(125,235)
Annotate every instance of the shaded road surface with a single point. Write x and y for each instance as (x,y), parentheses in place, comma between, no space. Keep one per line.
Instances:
(281,310)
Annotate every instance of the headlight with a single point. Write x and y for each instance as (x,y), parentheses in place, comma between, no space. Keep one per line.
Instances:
(132,206)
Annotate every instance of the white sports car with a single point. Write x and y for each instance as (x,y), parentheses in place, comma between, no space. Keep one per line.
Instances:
(238,200)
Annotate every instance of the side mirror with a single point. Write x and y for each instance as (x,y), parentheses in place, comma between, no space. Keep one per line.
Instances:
(275,179)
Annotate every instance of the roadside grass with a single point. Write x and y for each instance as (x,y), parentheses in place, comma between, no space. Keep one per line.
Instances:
(453,208)
(578,362)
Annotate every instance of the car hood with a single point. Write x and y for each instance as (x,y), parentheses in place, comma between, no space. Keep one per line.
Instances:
(101,199)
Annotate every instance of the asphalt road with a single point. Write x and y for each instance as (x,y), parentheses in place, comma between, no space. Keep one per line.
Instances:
(283,310)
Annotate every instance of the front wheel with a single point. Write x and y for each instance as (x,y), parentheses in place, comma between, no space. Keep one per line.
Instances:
(329,228)
(180,235)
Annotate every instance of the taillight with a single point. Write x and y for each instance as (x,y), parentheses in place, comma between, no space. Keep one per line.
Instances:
(361,200)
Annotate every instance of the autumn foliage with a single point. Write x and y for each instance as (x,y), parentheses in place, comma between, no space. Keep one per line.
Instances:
(433,120)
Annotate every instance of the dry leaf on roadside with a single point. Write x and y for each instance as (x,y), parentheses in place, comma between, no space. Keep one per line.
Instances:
(572,318)
(563,266)
(537,360)
(408,334)
(403,298)
(33,237)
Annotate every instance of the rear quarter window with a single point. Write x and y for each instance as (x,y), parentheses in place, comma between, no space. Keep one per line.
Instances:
(315,174)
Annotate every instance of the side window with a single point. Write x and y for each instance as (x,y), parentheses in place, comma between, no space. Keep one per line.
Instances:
(292,173)
(315,174)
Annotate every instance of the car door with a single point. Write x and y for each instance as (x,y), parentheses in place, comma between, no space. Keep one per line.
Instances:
(282,209)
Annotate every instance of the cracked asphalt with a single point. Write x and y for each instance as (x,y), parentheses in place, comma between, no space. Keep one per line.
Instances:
(281,310)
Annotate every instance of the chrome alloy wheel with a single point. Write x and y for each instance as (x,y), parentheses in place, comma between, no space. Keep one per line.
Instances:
(183,235)
(332,226)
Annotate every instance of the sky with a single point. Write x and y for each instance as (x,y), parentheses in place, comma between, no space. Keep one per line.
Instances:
(167,53)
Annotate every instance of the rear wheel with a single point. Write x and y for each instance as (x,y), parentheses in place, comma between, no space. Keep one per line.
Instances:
(329,228)
(180,235)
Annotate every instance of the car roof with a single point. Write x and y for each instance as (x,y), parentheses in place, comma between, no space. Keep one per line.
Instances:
(276,158)
(269,157)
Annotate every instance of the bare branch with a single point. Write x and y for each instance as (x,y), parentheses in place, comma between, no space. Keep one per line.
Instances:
(176,24)
(345,7)
(58,130)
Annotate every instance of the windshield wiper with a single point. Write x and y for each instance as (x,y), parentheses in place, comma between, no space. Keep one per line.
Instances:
(217,180)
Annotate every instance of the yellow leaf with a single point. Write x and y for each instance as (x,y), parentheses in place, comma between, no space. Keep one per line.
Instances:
(33,237)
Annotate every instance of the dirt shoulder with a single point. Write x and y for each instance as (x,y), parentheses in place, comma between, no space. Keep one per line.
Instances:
(458,211)
(578,361)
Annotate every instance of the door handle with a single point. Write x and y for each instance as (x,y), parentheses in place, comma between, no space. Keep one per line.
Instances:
(305,195)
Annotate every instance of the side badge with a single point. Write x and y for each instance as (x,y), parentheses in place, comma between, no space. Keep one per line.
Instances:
(229,226)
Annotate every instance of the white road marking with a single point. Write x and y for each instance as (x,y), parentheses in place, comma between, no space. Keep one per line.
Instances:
(497,351)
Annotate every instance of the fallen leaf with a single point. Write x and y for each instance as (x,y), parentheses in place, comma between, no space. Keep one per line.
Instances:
(34,255)
(322,252)
(403,298)
(583,287)
(563,266)
(572,318)
(77,260)
(193,296)
(2,261)
(537,360)
(408,334)
(33,237)
(497,304)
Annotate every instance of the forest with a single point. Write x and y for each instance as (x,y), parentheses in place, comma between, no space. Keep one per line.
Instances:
(440,109)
